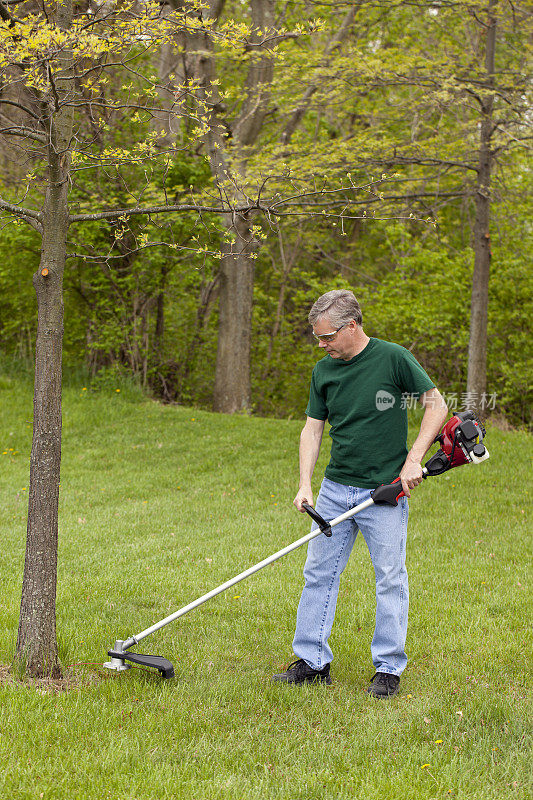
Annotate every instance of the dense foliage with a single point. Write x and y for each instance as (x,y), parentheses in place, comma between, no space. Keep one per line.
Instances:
(381,96)
(413,283)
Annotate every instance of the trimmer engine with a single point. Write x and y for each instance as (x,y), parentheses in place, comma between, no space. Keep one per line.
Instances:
(461,442)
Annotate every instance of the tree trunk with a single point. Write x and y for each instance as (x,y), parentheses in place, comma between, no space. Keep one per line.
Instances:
(232,376)
(160,316)
(477,349)
(36,643)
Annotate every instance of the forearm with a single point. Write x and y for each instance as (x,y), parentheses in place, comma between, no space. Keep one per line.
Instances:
(310,440)
(435,413)
(309,450)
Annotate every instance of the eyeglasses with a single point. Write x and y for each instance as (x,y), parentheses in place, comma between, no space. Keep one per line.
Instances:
(327,337)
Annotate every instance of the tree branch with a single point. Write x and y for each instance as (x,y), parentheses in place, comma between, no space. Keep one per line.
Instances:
(130,212)
(19,105)
(370,200)
(33,218)
(25,133)
(120,257)
(4,13)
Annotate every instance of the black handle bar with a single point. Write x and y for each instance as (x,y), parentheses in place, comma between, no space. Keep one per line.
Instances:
(324,526)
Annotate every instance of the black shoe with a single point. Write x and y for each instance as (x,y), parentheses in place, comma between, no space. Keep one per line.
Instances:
(300,672)
(383,685)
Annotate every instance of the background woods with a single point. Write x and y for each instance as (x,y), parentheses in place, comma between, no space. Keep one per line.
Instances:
(283,110)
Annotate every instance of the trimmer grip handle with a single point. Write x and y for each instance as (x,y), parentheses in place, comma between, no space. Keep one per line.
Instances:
(388,493)
(324,526)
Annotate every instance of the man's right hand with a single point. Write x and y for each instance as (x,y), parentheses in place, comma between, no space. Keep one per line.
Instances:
(305,495)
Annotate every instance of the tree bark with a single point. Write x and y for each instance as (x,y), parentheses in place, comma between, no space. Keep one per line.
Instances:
(37,644)
(232,375)
(36,649)
(160,315)
(477,348)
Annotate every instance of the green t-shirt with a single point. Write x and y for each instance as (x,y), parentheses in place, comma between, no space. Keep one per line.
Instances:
(364,401)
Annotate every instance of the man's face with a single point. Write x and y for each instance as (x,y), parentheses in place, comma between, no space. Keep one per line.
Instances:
(341,344)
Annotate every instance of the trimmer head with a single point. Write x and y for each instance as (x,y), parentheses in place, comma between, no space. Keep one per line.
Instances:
(119,656)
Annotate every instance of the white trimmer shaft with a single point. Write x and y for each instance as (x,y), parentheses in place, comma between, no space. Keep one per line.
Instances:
(122,646)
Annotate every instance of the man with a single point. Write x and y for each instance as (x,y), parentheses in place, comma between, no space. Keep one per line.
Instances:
(359,387)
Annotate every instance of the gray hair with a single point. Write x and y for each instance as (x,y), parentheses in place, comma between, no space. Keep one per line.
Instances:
(339,305)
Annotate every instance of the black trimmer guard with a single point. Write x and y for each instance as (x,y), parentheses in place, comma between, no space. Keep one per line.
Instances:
(164,666)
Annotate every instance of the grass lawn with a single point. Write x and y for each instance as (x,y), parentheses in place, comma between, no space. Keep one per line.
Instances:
(161,504)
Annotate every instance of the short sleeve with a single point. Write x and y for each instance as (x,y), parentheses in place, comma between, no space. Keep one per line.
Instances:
(316,407)
(412,378)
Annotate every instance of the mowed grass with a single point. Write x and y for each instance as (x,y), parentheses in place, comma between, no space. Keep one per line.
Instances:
(161,504)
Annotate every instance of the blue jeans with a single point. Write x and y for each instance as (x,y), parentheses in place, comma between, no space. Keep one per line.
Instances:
(384,529)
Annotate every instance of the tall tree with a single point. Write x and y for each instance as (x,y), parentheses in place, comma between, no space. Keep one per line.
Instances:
(36,643)
(477,348)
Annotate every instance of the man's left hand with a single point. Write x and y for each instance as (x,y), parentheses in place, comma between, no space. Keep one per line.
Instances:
(411,476)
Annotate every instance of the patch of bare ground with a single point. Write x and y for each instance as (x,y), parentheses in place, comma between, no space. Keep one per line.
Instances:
(74,677)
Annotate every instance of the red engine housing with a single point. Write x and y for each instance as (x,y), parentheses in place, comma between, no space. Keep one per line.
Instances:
(460,441)
(446,438)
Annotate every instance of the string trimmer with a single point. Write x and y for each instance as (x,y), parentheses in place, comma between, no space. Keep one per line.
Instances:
(461,442)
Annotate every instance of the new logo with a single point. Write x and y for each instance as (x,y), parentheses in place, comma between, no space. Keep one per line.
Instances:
(384,400)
